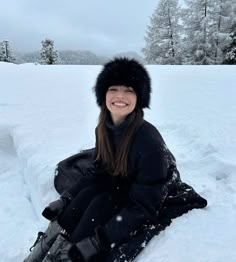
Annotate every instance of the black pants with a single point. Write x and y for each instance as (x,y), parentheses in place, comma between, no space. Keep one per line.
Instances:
(90,208)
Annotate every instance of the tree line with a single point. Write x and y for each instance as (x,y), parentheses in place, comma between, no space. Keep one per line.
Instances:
(49,55)
(202,32)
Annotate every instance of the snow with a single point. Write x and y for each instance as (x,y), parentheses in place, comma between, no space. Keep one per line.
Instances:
(49,112)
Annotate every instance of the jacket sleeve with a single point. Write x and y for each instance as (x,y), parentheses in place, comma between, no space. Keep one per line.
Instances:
(147,194)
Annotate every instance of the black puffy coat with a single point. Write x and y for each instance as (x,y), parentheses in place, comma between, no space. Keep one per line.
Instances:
(150,164)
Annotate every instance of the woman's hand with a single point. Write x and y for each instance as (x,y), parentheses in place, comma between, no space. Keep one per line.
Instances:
(55,208)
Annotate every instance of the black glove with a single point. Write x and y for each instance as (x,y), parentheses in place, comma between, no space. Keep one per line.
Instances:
(86,249)
(56,207)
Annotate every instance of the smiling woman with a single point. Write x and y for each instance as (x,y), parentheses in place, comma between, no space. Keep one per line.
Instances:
(131,181)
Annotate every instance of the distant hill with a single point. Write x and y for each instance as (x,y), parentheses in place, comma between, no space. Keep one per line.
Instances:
(69,57)
(30,57)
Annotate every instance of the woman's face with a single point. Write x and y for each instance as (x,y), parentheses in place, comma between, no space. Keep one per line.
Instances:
(120,101)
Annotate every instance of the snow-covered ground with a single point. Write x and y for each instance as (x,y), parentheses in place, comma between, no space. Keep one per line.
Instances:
(49,112)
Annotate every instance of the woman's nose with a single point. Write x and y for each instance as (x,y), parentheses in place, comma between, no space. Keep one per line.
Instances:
(120,94)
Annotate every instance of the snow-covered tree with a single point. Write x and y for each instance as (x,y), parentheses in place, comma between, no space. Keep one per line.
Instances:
(224,13)
(206,27)
(48,54)
(198,25)
(6,53)
(2,51)
(230,50)
(162,35)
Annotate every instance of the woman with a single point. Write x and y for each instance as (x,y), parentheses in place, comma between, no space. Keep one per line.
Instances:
(126,185)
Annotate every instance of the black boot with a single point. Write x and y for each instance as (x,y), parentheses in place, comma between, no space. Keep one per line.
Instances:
(43,242)
(59,250)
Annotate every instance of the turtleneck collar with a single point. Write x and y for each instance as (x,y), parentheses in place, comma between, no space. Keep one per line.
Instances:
(121,126)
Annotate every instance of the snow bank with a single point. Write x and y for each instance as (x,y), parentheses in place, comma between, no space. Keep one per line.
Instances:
(48,113)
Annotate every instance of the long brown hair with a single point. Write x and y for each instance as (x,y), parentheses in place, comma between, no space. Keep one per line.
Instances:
(116,163)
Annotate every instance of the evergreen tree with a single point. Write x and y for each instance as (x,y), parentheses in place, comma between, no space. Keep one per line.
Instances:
(2,51)
(6,53)
(48,54)
(198,30)
(162,39)
(230,50)
(206,26)
(224,12)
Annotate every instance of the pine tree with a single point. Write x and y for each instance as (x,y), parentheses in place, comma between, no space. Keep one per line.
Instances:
(224,12)
(162,39)
(198,30)
(2,51)
(48,55)
(6,53)
(206,25)
(230,50)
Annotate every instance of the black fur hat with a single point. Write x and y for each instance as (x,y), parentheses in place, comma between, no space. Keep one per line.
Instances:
(127,72)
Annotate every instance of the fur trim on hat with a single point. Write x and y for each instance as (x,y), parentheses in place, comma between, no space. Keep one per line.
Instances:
(127,72)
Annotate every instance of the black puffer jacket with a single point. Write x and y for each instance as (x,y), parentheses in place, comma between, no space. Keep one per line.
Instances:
(150,165)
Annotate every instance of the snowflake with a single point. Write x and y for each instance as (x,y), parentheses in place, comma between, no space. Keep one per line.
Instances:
(143,244)
(119,218)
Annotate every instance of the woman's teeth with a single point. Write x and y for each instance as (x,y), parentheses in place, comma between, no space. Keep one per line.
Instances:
(119,104)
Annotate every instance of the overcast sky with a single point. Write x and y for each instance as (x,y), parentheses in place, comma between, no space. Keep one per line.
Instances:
(100,26)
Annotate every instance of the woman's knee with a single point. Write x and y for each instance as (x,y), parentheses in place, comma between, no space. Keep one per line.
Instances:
(101,202)
(75,210)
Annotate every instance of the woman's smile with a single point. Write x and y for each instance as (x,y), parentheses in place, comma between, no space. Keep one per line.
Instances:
(119,104)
